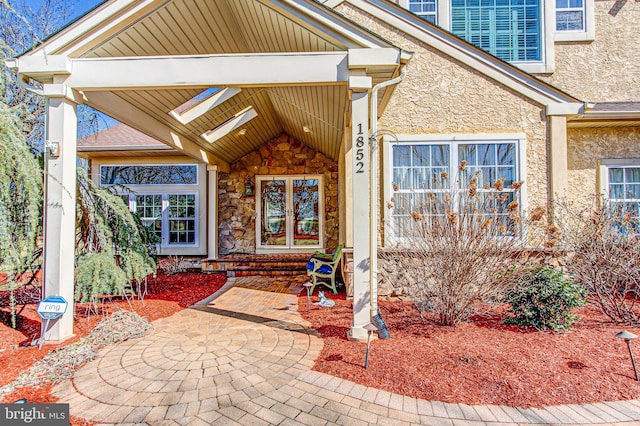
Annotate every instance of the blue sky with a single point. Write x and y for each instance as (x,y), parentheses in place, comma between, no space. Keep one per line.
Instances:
(79,6)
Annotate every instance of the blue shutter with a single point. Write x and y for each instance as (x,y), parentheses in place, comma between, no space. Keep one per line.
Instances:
(508,29)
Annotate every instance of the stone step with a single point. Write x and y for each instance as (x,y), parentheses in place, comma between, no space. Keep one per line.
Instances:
(247,265)
(254,273)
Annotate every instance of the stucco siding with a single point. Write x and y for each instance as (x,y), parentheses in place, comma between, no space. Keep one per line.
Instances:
(442,96)
(608,68)
(589,145)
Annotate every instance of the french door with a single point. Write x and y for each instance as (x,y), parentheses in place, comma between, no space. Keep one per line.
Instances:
(289,213)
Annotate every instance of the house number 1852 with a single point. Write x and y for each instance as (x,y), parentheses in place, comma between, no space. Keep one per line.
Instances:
(360,150)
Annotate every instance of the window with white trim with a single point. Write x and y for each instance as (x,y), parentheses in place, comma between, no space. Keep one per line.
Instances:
(173,216)
(438,169)
(623,189)
(182,218)
(164,196)
(428,9)
(149,210)
(136,174)
(509,29)
(570,15)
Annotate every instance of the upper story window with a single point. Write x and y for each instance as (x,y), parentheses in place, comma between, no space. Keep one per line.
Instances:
(508,29)
(570,15)
(426,8)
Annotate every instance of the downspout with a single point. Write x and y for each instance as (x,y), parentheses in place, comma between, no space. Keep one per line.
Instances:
(376,319)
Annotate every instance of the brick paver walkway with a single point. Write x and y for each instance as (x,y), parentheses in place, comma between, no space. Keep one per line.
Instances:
(246,357)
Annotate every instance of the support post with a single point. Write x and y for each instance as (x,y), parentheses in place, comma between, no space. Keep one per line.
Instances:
(60,211)
(360,195)
(212,212)
(558,159)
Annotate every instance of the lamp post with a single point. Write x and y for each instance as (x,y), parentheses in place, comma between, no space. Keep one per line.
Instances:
(308,285)
(627,338)
(370,329)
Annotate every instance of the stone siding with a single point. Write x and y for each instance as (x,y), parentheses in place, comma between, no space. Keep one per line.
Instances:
(282,155)
(605,69)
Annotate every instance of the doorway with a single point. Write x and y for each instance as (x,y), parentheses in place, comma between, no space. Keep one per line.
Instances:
(289,213)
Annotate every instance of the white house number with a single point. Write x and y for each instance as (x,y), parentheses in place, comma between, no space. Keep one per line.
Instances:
(360,150)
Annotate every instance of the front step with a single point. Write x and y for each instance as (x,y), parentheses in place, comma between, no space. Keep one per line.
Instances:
(263,265)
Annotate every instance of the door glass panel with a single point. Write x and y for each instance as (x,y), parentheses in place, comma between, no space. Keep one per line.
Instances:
(274,213)
(306,225)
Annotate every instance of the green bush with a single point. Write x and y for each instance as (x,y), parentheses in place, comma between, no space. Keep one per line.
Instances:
(543,297)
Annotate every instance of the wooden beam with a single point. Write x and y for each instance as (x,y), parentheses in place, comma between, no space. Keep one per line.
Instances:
(205,105)
(246,70)
(121,110)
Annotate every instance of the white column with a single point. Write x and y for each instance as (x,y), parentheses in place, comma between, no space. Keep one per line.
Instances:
(360,205)
(558,157)
(60,212)
(212,212)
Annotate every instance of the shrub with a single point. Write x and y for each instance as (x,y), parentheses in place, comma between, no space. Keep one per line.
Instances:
(603,254)
(543,298)
(453,245)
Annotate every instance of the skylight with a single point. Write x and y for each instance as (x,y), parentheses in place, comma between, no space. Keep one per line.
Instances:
(230,124)
(201,103)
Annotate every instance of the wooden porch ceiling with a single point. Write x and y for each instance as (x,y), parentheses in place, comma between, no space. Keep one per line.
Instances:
(181,27)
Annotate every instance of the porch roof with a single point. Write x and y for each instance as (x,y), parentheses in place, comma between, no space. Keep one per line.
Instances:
(121,140)
(139,60)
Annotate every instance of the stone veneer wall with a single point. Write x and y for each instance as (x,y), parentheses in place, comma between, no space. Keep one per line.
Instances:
(282,155)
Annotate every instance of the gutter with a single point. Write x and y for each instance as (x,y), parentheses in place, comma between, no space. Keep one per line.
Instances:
(376,319)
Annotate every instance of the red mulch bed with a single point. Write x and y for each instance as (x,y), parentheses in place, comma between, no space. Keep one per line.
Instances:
(167,294)
(481,361)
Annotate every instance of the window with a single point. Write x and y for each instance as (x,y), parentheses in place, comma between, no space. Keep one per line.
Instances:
(508,29)
(172,216)
(624,189)
(570,15)
(165,198)
(425,8)
(436,170)
(182,218)
(149,209)
(149,175)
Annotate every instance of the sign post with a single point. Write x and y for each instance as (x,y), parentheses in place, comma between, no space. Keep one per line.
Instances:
(51,308)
